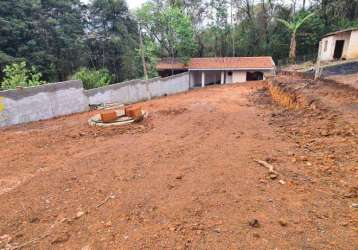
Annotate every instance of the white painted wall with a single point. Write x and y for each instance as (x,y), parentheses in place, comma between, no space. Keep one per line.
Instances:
(228,77)
(327,52)
(239,76)
(352,51)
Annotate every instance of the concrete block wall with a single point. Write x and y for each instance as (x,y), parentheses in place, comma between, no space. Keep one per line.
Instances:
(64,98)
(42,102)
(138,90)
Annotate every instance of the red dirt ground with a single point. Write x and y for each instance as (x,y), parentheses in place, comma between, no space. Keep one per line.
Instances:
(186,178)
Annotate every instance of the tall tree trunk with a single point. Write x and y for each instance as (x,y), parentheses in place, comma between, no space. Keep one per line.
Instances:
(304,5)
(292,55)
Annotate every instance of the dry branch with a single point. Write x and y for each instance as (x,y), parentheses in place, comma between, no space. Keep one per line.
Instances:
(268,166)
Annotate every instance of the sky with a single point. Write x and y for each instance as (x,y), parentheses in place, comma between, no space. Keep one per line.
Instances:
(134,3)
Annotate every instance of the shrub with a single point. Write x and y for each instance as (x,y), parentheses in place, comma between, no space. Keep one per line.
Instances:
(19,75)
(93,78)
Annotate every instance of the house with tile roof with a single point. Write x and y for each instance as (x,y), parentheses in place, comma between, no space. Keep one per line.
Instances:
(219,70)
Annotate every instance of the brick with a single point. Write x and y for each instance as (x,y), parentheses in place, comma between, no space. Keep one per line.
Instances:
(108,116)
(134,112)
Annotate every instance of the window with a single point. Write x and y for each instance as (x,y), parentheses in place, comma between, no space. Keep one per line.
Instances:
(229,73)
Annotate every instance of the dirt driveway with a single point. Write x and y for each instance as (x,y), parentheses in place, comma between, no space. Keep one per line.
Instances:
(186,178)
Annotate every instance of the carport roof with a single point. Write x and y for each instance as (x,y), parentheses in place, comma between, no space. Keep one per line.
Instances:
(211,63)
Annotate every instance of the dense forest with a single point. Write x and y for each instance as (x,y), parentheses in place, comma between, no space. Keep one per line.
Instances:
(55,40)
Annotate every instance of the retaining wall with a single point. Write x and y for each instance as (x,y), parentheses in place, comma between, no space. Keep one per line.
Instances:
(42,102)
(303,75)
(138,90)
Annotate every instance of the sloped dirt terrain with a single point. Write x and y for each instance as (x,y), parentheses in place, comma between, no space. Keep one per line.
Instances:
(185,178)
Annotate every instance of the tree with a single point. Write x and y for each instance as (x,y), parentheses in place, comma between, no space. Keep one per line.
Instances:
(93,78)
(112,39)
(18,75)
(168,29)
(293,27)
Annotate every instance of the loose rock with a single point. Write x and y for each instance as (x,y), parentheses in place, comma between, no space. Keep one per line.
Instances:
(282,222)
(254,223)
(63,237)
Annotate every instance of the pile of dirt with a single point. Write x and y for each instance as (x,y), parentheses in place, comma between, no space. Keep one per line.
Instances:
(289,95)
(326,130)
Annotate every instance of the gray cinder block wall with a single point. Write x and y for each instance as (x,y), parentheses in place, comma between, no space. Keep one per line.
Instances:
(139,90)
(64,98)
(42,102)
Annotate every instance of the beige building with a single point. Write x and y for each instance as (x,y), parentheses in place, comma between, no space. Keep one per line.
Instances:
(340,45)
(219,70)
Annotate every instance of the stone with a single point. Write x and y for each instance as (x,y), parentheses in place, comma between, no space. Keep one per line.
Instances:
(282,222)
(354,205)
(273,176)
(254,223)
(63,237)
(256,235)
(79,214)
(34,220)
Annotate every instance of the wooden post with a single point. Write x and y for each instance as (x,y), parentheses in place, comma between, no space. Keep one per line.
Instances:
(318,63)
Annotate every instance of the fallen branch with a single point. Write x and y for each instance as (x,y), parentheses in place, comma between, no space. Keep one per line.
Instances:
(112,196)
(268,166)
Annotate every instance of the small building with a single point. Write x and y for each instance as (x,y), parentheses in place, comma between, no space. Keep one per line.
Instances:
(340,45)
(220,70)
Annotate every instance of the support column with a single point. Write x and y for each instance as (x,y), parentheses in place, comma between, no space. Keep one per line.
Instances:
(222,77)
(202,79)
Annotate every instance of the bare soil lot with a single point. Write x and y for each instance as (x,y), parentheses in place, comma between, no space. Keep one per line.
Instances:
(351,80)
(185,178)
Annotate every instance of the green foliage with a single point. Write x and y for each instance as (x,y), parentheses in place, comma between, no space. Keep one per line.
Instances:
(93,78)
(61,36)
(150,53)
(168,31)
(297,23)
(18,75)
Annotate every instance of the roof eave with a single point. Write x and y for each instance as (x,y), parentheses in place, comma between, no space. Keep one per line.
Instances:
(229,69)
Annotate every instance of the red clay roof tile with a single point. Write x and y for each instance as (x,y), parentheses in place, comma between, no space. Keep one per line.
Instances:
(219,63)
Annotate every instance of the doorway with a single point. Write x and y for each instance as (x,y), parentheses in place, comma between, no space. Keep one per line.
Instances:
(254,76)
(338,51)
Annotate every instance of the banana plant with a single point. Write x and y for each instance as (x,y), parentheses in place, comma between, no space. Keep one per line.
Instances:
(293,27)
